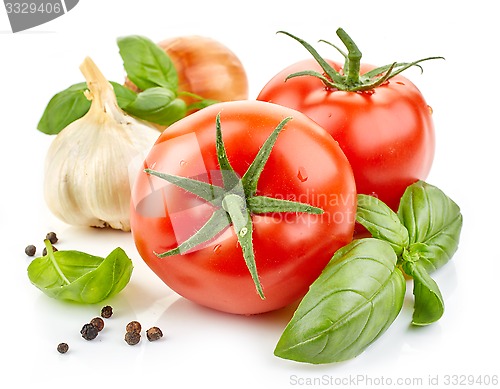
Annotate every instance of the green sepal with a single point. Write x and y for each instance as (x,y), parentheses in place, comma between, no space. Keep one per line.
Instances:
(264,204)
(217,223)
(208,192)
(252,175)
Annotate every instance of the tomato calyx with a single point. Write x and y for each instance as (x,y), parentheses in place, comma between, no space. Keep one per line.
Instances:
(349,79)
(235,201)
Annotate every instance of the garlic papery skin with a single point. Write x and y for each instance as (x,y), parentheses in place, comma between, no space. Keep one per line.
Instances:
(86,179)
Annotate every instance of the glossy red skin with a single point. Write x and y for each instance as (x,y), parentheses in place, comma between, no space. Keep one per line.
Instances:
(387,136)
(290,249)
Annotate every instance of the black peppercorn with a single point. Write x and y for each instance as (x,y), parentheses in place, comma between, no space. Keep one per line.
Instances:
(89,331)
(132,338)
(98,323)
(106,312)
(52,237)
(30,250)
(154,333)
(62,348)
(133,326)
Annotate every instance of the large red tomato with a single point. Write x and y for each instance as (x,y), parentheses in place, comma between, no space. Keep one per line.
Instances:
(290,249)
(386,132)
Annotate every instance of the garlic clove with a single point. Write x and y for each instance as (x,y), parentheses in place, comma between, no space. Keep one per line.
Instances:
(87,164)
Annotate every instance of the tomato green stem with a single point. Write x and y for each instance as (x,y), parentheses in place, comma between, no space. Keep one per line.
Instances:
(353,60)
(351,80)
(235,206)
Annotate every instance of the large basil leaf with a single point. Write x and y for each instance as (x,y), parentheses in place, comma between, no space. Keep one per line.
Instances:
(146,64)
(352,303)
(64,108)
(77,276)
(432,219)
(382,222)
(71,104)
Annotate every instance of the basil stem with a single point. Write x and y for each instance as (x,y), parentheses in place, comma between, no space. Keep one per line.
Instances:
(352,303)
(80,277)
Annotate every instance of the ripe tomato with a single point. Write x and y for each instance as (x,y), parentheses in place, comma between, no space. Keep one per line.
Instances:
(387,132)
(291,248)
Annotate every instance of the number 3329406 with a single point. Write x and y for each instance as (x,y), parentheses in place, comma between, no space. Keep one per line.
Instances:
(32,8)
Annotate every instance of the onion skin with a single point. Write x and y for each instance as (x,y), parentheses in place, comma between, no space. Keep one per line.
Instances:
(205,68)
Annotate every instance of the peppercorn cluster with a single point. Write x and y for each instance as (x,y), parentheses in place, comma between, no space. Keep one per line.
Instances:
(133,329)
(133,333)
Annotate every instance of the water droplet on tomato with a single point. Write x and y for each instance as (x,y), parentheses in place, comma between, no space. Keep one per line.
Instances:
(152,166)
(217,248)
(431,111)
(182,163)
(400,83)
(302,174)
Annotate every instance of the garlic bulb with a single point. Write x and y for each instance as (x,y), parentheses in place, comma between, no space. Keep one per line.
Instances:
(87,165)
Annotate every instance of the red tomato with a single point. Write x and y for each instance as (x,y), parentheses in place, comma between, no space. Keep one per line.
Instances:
(386,133)
(291,249)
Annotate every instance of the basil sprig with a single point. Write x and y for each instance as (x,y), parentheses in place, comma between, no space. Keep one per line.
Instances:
(361,291)
(80,277)
(150,69)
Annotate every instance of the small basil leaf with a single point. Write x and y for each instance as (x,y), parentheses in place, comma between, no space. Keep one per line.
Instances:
(71,104)
(382,222)
(429,304)
(433,219)
(80,277)
(157,105)
(355,299)
(146,64)
(64,108)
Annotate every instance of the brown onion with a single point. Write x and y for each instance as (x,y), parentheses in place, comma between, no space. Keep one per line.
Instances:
(205,68)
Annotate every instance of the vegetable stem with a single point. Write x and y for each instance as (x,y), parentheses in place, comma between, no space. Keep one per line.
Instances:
(353,59)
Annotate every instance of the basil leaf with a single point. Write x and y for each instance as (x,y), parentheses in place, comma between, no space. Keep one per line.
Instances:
(429,304)
(80,277)
(432,219)
(382,222)
(71,104)
(146,64)
(355,299)
(64,108)
(157,105)
(124,96)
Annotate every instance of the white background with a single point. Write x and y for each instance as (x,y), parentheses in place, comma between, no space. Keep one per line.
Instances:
(203,347)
